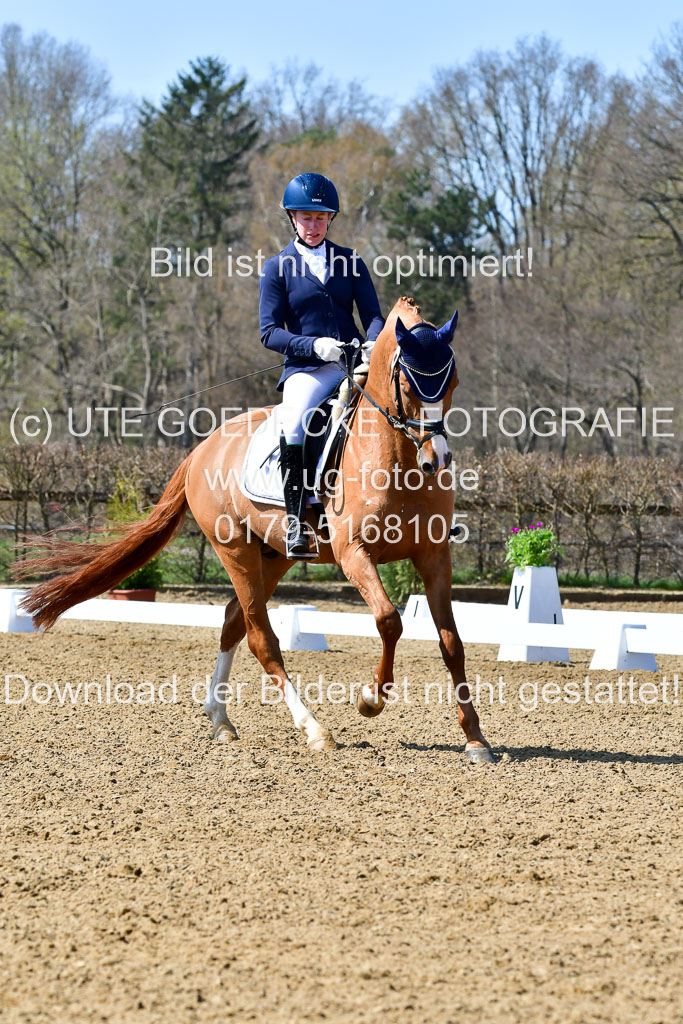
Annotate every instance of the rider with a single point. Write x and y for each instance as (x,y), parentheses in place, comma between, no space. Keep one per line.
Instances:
(307,294)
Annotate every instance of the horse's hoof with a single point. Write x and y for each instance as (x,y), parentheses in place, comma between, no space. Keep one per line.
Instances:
(325,741)
(225,735)
(369,708)
(479,755)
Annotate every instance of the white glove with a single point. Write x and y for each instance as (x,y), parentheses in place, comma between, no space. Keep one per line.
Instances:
(327,349)
(367,350)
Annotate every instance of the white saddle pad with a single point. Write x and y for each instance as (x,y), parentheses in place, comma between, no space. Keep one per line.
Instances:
(261,479)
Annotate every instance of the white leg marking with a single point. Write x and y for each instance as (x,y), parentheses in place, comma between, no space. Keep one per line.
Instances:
(369,696)
(216,699)
(300,713)
(304,719)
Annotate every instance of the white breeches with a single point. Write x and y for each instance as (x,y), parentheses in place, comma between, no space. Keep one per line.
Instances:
(301,393)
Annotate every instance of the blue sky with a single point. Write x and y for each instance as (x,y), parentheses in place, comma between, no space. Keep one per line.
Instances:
(391,47)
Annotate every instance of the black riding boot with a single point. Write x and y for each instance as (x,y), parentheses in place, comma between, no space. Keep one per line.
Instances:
(291,467)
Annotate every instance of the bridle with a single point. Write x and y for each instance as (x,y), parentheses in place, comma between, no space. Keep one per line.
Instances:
(406,423)
(413,429)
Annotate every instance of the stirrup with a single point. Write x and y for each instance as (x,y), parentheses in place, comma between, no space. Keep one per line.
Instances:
(298,534)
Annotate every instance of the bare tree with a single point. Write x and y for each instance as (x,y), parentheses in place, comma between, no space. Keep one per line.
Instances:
(649,163)
(54,106)
(298,99)
(512,129)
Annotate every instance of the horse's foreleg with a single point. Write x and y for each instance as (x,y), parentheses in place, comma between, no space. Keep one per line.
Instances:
(434,566)
(254,581)
(362,572)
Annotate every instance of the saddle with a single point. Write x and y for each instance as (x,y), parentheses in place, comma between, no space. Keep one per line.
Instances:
(261,479)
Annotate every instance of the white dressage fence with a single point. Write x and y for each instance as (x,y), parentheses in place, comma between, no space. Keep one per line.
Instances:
(620,640)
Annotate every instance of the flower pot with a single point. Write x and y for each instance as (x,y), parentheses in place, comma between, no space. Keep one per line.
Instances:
(534,597)
(139,594)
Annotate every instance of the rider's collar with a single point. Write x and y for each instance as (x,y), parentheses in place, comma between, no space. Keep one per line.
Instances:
(311,248)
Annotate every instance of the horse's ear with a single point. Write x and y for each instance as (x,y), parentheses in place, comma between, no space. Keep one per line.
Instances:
(446,332)
(401,332)
(406,341)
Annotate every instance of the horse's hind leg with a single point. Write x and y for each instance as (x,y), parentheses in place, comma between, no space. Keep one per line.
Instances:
(234,630)
(254,580)
(434,566)
(216,699)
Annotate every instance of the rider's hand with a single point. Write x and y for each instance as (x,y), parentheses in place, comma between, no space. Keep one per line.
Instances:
(366,350)
(327,349)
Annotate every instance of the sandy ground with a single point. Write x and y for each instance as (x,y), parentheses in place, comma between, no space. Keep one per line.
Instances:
(147,874)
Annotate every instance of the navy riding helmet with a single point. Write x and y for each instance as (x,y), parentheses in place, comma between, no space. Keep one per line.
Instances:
(311,191)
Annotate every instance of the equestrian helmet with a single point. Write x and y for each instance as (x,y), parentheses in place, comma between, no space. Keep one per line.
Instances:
(311,191)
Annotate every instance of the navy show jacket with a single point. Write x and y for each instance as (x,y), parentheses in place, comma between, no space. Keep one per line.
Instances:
(296,308)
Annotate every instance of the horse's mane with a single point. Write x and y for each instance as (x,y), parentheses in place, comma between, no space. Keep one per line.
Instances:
(409,311)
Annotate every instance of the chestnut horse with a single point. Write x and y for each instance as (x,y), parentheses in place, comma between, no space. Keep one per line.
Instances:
(370,521)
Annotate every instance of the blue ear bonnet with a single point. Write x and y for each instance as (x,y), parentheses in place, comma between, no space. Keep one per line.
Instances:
(426,357)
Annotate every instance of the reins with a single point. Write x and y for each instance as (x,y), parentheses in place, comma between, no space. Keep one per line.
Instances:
(405,424)
(275,366)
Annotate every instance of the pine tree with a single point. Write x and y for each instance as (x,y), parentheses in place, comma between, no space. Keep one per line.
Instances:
(199,141)
(441,224)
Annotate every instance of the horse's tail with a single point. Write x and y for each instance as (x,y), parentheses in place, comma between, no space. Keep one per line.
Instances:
(97,567)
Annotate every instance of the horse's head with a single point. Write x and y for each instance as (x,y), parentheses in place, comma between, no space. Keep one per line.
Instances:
(423,378)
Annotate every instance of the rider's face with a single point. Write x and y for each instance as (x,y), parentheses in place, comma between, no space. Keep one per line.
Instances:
(311,225)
